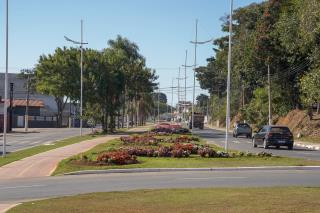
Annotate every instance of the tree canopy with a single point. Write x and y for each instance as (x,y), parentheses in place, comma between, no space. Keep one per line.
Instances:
(116,82)
(282,34)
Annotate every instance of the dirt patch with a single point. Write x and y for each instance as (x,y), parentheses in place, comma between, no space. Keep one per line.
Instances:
(299,122)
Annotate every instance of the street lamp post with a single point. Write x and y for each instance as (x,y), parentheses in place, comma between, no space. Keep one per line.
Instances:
(81,43)
(228,78)
(5,105)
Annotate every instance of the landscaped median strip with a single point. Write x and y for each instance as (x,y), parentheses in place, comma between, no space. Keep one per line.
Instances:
(145,170)
(170,152)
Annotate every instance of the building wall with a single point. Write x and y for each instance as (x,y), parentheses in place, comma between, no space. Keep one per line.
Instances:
(20,92)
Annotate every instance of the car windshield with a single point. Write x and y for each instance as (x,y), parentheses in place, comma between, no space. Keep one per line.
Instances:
(281,130)
(243,125)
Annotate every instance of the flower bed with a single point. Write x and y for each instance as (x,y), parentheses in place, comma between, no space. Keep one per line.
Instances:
(169,128)
(142,140)
(153,139)
(154,146)
(116,158)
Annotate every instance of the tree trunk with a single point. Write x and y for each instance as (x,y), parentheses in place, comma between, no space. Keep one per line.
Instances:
(318,108)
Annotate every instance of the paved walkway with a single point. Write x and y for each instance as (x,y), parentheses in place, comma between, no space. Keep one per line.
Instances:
(44,164)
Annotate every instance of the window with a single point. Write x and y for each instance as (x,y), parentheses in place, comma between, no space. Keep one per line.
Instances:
(243,125)
(264,129)
(280,130)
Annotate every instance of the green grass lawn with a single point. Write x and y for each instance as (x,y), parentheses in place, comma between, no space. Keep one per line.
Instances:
(18,155)
(194,161)
(273,199)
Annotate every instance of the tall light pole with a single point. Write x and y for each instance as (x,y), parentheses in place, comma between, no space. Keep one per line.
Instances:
(196,42)
(194,74)
(5,105)
(81,43)
(228,78)
(159,104)
(269,96)
(172,99)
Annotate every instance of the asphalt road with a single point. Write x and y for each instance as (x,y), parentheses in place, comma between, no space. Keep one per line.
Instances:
(17,190)
(243,144)
(20,140)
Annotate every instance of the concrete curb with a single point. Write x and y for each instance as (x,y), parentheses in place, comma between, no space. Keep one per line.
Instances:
(145,170)
(308,146)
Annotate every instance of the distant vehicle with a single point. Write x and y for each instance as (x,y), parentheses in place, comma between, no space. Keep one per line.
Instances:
(198,121)
(242,129)
(273,136)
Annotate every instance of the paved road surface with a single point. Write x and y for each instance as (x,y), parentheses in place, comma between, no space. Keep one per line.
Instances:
(243,144)
(21,140)
(17,190)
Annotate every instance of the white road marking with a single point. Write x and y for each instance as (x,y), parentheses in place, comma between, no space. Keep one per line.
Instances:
(18,187)
(208,178)
(235,141)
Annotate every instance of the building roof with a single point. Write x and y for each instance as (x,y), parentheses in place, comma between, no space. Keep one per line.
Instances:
(23,102)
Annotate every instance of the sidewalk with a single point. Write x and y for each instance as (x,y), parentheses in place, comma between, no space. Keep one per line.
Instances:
(44,164)
(297,143)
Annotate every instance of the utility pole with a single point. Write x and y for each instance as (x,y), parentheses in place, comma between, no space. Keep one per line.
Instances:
(26,116)
(172,99)
(159,104)
(11,107)
(5,105)
(194,74)
(228,78)
(269,96)
(196,42)
(179,91)
(81,78)
(208,110)
(185,86)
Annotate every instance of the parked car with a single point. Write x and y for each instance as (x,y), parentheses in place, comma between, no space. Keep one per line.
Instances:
(242,129)
(273,136)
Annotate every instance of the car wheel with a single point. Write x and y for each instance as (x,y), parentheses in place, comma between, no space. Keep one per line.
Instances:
(254,143)
(265,145)
(278,147)
(290,147)
(249,136)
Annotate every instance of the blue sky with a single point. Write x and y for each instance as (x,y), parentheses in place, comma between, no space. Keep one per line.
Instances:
(161,28)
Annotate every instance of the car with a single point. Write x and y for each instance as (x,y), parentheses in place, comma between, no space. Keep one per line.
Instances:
(242,129)
(273,135)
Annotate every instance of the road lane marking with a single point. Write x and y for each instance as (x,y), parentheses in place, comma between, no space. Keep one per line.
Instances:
(235,141)
(21,187)
(208,178)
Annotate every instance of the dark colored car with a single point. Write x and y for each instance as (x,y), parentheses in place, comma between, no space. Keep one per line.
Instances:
(242,129)
(273,136)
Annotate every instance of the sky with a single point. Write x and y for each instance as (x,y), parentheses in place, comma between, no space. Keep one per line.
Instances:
(162,29)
